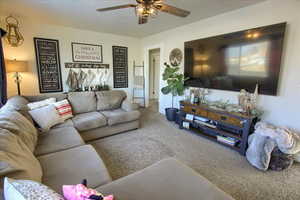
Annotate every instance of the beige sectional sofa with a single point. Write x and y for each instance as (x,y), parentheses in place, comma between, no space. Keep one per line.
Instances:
(61,156)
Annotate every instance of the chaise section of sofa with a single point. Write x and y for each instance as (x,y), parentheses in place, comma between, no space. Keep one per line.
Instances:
(168,179)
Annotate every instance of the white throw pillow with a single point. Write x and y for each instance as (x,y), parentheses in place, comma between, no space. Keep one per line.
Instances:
(39,104)
(28,190)
(46,117)
(64,109)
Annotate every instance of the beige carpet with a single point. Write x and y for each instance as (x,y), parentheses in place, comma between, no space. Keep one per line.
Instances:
(157,139)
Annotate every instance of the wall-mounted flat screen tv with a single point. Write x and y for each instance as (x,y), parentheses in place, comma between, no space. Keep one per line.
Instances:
(237,60)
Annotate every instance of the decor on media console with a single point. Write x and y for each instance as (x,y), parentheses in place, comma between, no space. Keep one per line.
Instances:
(87,53)
(120,66)
(16,67)
(13,37)
(176,57)
(264,141)
(48,65)
(175,87)
(248,101)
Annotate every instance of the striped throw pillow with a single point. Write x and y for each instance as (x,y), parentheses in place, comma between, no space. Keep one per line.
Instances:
(64,109)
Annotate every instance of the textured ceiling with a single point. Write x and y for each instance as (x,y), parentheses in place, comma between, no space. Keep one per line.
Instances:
(82,14)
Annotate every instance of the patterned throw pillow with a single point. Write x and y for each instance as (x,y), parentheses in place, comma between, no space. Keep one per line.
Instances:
(64,109)
(28,190)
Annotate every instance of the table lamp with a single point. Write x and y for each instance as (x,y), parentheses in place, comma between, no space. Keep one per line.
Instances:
(16,67)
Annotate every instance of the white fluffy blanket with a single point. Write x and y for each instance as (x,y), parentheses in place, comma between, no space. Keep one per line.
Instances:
(287,141)
(265,138)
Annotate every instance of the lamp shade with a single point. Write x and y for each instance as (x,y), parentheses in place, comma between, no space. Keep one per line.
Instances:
(16,66)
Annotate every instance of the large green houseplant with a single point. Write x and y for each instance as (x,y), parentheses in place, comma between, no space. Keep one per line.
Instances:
(175,87)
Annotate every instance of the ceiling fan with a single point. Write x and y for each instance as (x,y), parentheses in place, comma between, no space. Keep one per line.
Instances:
(149,8)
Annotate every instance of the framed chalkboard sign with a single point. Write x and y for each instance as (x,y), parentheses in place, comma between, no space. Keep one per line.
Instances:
(120,66)
(48,65)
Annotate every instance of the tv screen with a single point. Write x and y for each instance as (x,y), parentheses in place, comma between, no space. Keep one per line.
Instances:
(237,60)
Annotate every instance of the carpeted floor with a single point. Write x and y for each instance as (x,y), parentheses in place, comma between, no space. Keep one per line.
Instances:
(157,139)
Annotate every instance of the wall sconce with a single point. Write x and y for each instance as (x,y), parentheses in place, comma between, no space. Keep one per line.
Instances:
(13,37)
(16,67)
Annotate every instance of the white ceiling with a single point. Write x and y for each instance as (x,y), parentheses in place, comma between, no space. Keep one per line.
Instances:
(82,14)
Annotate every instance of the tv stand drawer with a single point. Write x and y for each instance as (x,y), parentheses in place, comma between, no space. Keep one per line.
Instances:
(225,118)
(195,111)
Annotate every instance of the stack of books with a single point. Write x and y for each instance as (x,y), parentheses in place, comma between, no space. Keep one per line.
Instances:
(227,140)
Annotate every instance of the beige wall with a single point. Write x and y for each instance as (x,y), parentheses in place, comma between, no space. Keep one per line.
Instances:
(65,36)
(281,110)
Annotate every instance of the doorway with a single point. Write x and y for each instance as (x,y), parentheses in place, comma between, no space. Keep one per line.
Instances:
(154,76)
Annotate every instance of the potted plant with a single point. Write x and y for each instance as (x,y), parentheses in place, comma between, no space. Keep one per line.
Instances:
(175,87)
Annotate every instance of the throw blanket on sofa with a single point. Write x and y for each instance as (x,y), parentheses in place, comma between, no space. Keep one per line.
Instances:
(265,138)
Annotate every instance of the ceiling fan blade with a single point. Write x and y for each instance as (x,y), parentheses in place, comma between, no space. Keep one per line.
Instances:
(116,7)
(143,20)
(174,11)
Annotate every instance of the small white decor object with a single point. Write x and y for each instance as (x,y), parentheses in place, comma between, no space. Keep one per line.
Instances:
(28,190)
(87,53)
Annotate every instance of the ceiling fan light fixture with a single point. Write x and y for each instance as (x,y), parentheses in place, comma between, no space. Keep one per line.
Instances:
(139,10)
(149,8)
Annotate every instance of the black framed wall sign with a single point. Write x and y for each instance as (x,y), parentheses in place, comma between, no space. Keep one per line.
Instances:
(90,53)
(48,65)
(120,66)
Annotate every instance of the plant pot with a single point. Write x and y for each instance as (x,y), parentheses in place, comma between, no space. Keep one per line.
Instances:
(171,114)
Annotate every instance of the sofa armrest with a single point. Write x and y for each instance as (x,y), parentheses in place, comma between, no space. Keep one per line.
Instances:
(128,106)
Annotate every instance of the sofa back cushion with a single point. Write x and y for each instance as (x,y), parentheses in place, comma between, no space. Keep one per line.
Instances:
(108,100)
(17,124)
(57,96)
(82,102)
(18,103)
(16,160)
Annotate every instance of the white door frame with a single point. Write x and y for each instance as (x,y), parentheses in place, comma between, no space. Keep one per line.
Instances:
(147,69)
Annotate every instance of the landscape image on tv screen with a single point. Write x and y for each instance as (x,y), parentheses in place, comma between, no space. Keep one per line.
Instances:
(237,60)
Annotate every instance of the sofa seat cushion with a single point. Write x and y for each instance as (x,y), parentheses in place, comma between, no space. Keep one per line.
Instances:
(58,139)
(69,167)
(119,116)
(88,121)
(168,179)
(82,102)
(67,123)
